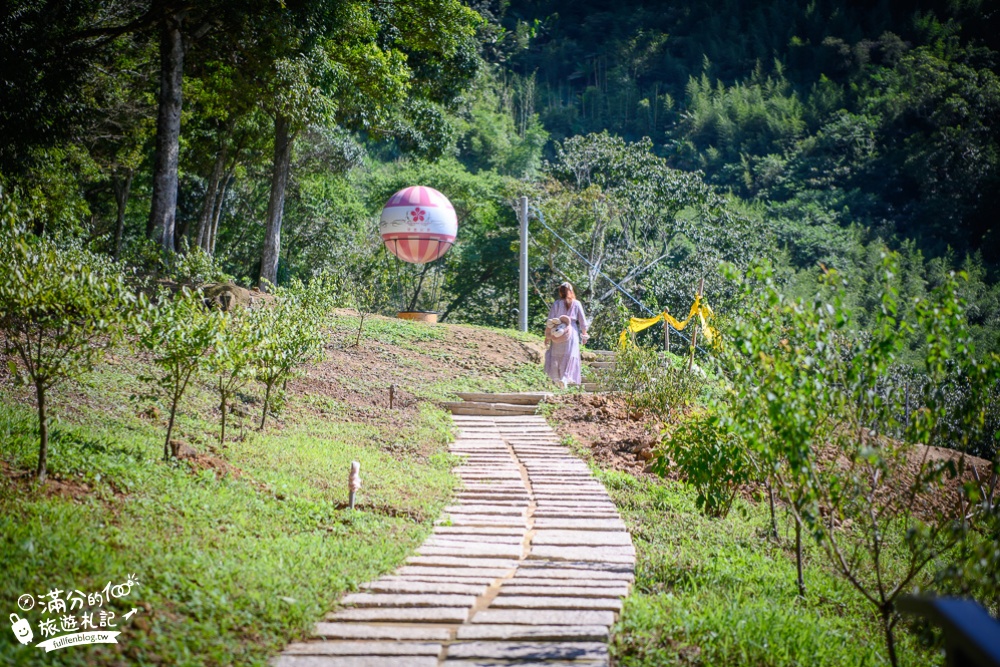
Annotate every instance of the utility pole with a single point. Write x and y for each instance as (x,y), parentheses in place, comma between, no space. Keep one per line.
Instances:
(522,312)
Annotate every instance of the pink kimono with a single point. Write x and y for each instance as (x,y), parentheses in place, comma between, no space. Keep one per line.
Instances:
(562,359)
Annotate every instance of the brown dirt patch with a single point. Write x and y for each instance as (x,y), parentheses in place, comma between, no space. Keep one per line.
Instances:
(617,438)
(620,440)
(54,487)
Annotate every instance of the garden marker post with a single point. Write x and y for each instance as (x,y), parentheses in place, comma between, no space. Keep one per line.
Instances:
(694,334)
(522,312)
(353,482)
(666,332)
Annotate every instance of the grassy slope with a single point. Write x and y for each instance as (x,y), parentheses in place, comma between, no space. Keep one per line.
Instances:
(232,567)
(718,592)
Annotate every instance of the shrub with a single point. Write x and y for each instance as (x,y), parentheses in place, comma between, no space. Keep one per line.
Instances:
(290,335)
(806,396)
(712,458)
(61,308)
(180,332)
(651,380)
(232,359)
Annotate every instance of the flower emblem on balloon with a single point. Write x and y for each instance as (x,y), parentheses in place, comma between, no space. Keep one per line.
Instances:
(418,214)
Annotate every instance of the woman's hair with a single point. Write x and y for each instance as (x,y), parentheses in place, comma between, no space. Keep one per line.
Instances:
(565,289)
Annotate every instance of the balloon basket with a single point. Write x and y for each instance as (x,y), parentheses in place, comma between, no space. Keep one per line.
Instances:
(425,316)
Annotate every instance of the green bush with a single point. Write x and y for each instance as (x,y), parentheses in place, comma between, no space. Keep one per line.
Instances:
(232,359)
(713,459)
(807,398)
(653,381)
(61,308)
(180,332)
(290,335)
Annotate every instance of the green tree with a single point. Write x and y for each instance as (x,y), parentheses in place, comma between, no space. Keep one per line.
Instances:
(378,70)
(231,359)
(291,335)
(61,308)
(810,391)
(180,332)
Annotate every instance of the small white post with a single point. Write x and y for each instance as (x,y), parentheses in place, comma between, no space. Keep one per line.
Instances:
(353,482)
(522,312)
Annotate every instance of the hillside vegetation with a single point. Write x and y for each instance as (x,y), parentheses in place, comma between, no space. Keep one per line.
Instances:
(824,176)
(239,546)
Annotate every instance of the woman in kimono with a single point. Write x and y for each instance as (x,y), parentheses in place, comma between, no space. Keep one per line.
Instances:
(562,358)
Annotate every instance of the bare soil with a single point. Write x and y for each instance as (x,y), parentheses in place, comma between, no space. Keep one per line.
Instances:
(624,440)
(618,439)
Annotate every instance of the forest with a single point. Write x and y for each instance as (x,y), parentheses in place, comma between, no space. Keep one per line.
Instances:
(259,142)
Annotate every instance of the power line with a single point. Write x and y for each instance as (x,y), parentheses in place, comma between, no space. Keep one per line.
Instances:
(541,219)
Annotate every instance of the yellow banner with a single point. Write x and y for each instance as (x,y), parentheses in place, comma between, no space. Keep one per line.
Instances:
(699,309)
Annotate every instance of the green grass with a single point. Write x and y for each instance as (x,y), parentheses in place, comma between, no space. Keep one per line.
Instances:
(420,338)
(230,568)
(718,592)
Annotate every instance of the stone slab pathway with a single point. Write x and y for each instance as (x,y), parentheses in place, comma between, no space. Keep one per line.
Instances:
(529,565)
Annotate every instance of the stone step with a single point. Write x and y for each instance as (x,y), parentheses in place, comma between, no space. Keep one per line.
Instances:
(553,603)
(487,409)
(526,398)
(579,633)
(363,648)
(529,651)
(387,632)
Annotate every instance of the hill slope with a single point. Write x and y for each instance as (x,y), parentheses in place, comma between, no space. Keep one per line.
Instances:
(239,547)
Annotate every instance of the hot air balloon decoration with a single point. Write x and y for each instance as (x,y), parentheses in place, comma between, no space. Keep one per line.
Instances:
(418,226)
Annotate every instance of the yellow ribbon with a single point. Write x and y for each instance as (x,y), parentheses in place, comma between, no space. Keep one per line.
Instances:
(699,309)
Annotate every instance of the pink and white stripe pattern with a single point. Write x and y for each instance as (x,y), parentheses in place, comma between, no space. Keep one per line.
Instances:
(418,224)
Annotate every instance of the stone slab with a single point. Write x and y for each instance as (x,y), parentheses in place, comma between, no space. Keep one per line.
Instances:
(457,539)
(349,661)
(388,632)
(322,647)
(600,554)
(544,617)
(403,615)
(540,582)
(537,651)
(451,561)
(406,600)
(459,662)
(582,633)
(581,538)
(474,550)
(571,571)
(578,524)
(514,587)
(514,601)
(434,579)
(428,588)
(492,572)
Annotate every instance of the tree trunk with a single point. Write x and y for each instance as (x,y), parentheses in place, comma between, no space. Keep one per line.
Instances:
(170,426)
(279,180)
(890,640)
(798,558)
(211,194)
(122,188)
(163,212)
(43,434)
(267,401)
(222,395)
(217,212)
(770,502)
